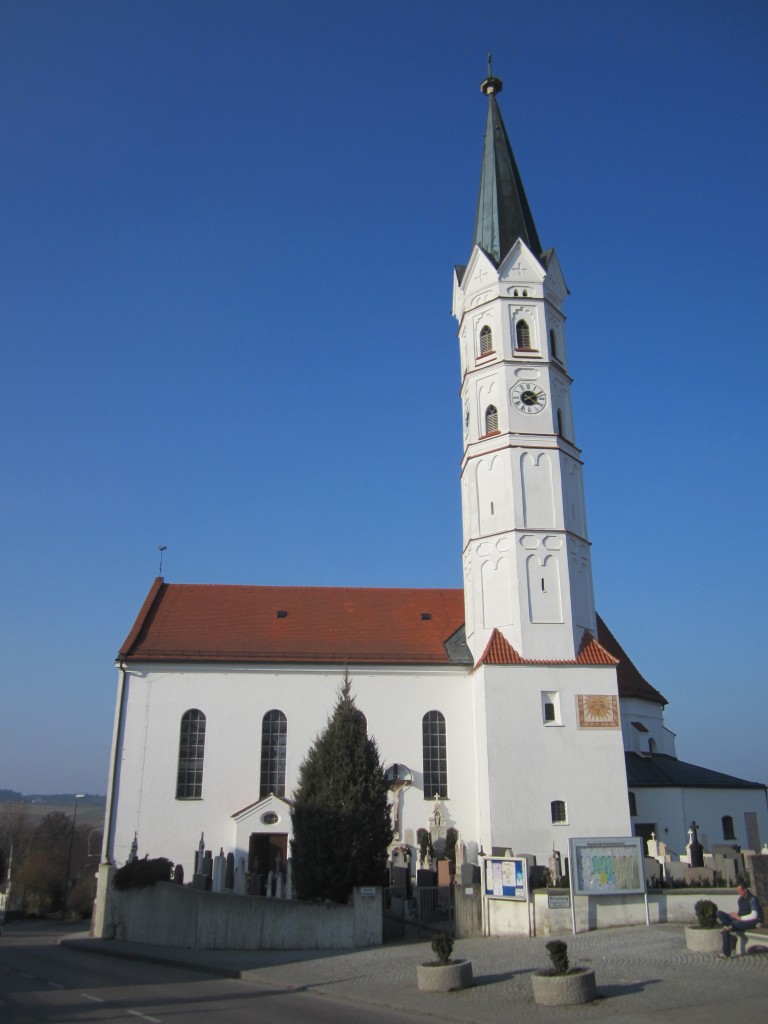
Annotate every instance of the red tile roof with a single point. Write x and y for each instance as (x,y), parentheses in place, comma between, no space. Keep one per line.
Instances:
(499,651)
(201,622)
(213,623)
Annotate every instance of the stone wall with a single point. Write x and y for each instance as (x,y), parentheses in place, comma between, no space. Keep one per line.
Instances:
(665,906)
(174,915)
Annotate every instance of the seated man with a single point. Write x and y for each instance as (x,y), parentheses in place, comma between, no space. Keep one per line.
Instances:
(748,915)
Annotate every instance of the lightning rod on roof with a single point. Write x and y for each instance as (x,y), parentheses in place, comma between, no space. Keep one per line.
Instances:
(161,548)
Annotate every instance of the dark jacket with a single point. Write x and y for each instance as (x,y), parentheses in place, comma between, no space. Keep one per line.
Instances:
(749,908)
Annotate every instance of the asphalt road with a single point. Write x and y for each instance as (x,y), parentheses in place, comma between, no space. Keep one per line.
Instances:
(44,983)
(645,975)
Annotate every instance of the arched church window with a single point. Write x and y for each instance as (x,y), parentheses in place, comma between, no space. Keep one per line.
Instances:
(486,340)
(559,815)
(651,746)
(728,832)
(491,419)
(560,430)
(523,334)
(632,804)
(435,755)
(274,737)
(189,777)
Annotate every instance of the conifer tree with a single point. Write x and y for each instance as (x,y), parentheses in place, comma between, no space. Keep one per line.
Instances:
(341,818)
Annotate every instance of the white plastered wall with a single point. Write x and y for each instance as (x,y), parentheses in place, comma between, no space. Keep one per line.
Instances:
(532,763)
(650,716)
(234,701)
(671,809)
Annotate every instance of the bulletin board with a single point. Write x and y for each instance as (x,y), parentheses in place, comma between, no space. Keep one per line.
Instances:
(506,878)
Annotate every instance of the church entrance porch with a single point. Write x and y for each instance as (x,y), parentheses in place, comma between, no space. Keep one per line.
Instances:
(267,856)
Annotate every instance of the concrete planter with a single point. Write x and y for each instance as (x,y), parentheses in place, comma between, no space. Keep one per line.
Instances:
(703,940)
(437,977)
(578,986)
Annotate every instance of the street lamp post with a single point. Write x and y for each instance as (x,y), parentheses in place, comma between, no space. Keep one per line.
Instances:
(78,796)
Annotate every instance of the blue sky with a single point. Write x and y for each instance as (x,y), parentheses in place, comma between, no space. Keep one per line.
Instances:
(228,239)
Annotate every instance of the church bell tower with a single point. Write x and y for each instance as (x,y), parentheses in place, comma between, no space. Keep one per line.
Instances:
(527,568)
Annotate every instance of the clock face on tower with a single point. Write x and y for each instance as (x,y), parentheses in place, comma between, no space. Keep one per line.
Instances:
(528,398)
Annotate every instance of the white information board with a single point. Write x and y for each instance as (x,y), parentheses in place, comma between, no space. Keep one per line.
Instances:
(604,866)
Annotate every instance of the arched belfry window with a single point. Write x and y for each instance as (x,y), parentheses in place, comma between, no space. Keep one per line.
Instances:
(435,755)
(189,777)
(728,832)
(486,340)
(274,736)
(523,334)
(491,419)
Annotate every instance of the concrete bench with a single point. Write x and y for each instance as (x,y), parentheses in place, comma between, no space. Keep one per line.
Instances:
(753,941)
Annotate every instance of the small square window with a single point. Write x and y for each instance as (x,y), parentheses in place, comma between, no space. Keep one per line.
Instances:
(550,707)
(559,812)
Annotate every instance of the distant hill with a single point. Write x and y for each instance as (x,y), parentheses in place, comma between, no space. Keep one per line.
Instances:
(10,796)
(90,809)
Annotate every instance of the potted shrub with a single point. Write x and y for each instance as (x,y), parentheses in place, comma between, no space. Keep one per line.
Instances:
(704,936)
(444,974)
(563,985)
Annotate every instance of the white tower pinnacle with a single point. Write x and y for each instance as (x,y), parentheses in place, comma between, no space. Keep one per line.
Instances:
(527,569)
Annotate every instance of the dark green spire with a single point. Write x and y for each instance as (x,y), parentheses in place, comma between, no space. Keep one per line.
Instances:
(503,214)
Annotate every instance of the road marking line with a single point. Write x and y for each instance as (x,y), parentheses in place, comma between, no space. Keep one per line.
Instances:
(94,999)
(143,1016)
(29,977)
(54,984)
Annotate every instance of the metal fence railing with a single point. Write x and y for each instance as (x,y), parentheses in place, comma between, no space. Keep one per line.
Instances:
(435,910)
(393,909)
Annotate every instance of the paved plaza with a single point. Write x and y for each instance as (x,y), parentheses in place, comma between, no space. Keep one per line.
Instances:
(642,974)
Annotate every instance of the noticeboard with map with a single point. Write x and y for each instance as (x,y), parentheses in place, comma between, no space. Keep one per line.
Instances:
(601,867)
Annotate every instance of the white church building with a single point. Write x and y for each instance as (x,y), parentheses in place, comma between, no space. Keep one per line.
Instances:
(507,704)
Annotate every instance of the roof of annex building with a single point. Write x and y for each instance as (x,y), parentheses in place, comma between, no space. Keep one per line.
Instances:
(651,770)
